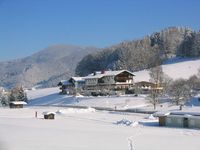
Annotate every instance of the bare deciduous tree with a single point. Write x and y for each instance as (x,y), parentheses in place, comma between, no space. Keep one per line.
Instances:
(156,76)
(179,91)
(194,84)
(153,98)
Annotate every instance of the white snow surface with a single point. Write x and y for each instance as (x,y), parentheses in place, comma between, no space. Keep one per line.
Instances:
(72,110)
(51,96)
(175,68)
(20,130)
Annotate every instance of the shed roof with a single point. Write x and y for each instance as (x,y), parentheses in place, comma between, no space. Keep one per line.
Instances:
(161,113)
(48,113)
(18,103)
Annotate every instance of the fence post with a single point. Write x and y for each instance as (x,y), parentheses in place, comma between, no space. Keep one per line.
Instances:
(35,114)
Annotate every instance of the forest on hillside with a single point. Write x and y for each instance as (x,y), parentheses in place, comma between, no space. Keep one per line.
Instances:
(143,53)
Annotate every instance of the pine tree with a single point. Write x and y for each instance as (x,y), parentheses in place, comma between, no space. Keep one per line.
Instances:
(3,98)
(18,94)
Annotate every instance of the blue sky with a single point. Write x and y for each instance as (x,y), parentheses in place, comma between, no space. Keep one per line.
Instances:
(27,26)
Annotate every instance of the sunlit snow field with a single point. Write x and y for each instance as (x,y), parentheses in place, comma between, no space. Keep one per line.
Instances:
(89,130)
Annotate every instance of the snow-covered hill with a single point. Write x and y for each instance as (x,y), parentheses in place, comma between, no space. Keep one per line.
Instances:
(174,68)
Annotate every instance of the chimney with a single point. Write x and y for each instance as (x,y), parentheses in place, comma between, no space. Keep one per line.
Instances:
(94,73)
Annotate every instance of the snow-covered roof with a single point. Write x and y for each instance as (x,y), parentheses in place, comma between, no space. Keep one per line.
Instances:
(48,113)
(99,74)
(176,114)
(161,113)
(69,82)
(18,103)
(186,113)
(78,79)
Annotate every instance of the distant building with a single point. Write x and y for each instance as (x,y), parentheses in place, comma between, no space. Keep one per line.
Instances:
(49,115)
(99,82)
(17,104)
(71,86)
(145,87)
(106,81)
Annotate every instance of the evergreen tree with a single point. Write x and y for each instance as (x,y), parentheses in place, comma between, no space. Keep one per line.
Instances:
(3,98)
(18,94)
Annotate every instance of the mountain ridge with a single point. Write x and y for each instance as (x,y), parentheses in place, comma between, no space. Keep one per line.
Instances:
(43,66)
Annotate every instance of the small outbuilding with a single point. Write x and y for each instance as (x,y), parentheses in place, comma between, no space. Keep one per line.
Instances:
(162,117)
(17,104)
(178,120)
(49,115)
(194,121)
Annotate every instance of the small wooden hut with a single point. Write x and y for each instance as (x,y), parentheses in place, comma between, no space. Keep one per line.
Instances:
(162,117)
(17,104)
(184,120)
(49,115)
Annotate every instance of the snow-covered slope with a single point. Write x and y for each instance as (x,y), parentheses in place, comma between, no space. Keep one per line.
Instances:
(51,96)
(174,68)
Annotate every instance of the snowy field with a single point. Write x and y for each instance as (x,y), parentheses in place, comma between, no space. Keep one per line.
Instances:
(88,129)
(51,96)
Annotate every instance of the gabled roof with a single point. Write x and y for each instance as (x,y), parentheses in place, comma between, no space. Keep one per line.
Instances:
(99,74)
(64,82)
(69,82)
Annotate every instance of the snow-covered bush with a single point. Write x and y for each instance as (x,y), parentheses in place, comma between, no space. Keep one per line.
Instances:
(3,97)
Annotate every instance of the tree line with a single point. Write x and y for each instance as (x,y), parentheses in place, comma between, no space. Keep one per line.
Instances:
(143,53)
